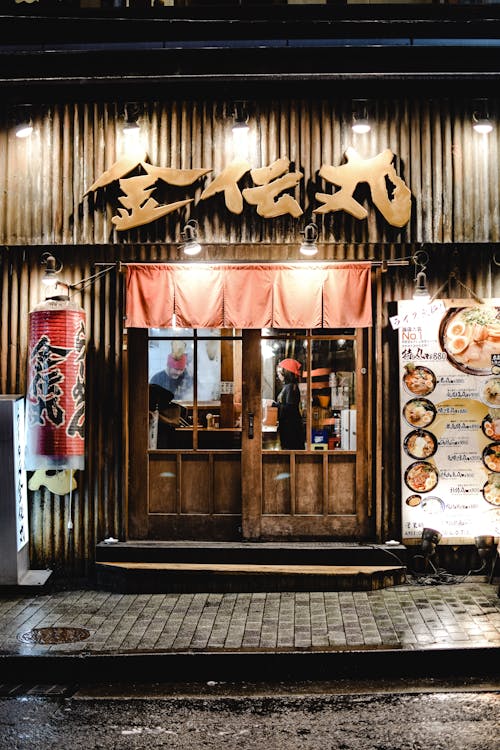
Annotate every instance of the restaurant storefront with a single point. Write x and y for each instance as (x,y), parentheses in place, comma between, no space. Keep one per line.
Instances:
(190,361)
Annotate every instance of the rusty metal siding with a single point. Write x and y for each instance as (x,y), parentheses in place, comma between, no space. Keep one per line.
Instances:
(451,170)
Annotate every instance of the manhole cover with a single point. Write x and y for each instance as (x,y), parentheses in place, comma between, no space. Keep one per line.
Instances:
(49,636)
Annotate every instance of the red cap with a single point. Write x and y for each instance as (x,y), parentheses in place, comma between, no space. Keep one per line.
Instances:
(291,365)
(177,364)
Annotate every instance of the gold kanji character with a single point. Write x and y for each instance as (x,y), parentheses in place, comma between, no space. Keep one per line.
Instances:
(373,171)
(263,196)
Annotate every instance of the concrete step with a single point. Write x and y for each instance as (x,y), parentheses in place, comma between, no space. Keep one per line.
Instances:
(174,577)
(258,553)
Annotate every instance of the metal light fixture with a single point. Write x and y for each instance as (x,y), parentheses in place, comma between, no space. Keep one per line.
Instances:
(132,112)
(485,549)
(309,246)
(480,118)
(24,123)
(360,122)
(430,540)
(240,118)
(191,246)
(421,290)
(54,288)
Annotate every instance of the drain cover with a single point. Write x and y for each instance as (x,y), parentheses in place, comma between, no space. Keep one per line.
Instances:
(50,636)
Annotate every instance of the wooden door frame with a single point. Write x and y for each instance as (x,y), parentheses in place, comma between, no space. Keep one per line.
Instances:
(251,446)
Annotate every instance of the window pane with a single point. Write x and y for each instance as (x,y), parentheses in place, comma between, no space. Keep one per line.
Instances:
(283,393)
(333,416)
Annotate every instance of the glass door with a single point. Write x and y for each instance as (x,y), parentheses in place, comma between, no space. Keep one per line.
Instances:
(185,404)
(311,423)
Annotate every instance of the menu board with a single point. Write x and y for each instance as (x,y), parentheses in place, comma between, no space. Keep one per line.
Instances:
(449,372)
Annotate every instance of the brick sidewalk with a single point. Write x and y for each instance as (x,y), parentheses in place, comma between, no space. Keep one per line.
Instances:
(408,617)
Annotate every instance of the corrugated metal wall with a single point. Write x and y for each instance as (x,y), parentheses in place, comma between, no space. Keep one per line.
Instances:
(453,175)
(451,170)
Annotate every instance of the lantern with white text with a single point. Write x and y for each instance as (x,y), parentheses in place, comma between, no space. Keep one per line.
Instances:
(55,400)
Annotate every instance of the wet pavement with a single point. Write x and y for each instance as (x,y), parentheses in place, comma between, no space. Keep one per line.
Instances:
(408,627)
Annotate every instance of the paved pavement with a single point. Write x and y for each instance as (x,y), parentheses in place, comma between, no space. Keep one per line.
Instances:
(411,627)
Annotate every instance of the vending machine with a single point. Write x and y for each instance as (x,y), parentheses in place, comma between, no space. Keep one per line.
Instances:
(14,530)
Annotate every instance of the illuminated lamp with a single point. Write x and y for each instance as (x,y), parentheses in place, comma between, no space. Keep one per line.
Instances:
(309,246)
(191,246)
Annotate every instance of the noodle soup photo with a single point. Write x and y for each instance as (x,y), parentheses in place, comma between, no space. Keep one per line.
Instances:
(491,457)
(491,426)
(491,490)
(420,444)
(421,476)
(470,336)
(491,392)
(419,380)
(419,412)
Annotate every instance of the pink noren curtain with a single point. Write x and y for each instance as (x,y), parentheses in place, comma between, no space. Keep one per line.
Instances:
(331,295)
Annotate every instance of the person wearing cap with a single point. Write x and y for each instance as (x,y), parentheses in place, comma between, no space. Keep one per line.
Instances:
(290,425)
(175,377)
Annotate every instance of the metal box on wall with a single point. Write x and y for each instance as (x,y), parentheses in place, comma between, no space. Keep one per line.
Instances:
(14,530)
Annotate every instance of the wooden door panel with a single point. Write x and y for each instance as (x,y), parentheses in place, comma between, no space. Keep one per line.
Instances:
(227,484)
(342,491)
(162,484)
(276,484)
(309,485)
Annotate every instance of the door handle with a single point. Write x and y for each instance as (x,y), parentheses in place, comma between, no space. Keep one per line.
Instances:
(250,425)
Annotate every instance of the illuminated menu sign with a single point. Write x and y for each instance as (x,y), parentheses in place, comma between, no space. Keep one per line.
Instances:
(449,371)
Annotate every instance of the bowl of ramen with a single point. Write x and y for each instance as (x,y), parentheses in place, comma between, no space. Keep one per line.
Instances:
(421,476)
(491,392)
(470,336)
(419,380)
(491,490)
(413,500)
(420,444)
(419,412)
(491,426)
(491,519)
(432,504)
(491,457)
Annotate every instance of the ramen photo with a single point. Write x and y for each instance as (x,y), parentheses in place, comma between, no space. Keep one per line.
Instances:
(491,392)
(419,380)
(491,490)
(470,336)
(420,444)
(419,412)
(491,457)
(491,427)
(413,500)
(421,477)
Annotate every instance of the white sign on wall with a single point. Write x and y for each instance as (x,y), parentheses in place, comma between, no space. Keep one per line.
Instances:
(449,368)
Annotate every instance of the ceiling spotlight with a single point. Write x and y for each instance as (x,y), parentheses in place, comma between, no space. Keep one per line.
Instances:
(240,118)
(360,122)
(132,112)
(191,246)
(480,117)
(482,125)
(309,246)
(24,123)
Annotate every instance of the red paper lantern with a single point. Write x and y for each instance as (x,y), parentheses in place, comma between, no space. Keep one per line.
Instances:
(55,401)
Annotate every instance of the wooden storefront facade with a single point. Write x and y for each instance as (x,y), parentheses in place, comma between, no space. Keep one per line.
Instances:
(47,205)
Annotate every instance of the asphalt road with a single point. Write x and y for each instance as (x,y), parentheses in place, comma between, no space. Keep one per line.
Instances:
(407,716)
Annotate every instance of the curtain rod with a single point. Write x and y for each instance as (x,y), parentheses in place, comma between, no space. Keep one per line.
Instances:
(373,263)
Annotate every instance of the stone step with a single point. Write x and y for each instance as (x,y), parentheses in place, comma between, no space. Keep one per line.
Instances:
(175,577)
